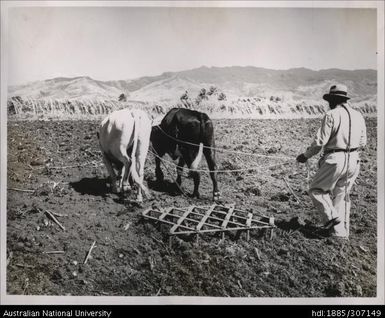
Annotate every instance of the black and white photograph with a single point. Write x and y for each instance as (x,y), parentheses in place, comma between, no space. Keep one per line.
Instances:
(192,152)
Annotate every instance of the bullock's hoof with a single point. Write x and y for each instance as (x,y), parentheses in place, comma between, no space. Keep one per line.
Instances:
(115,187)
(115,190)
(196,195)
(149,197)
(127,188)
(136,203)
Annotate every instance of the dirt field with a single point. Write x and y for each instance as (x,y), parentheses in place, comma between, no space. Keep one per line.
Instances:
(59,162)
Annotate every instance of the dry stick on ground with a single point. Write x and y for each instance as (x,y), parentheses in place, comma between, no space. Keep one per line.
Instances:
(292,192)
(58,214)
(258,255)
(164,245)
(89,252)
(55,219)
(25,265)
(151,262)
(271,234)
(54,252)
(21,190)
(95,164)
(26,284)
(240,285)
(137,251)
(9,257)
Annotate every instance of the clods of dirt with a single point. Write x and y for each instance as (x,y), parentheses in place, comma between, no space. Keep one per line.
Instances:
(135,257)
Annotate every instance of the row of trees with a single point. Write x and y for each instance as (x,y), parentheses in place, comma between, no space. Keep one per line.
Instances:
(203,94)
(185,98)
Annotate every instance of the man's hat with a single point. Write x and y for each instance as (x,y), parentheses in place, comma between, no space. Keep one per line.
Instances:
(338,91)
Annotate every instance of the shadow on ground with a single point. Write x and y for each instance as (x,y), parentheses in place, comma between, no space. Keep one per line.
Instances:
(93,186)
(165,187)
(308,230)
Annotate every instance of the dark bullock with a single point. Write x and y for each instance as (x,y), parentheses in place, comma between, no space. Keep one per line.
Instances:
(186,134)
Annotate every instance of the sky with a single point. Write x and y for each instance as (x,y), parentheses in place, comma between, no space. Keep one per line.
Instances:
(117,43)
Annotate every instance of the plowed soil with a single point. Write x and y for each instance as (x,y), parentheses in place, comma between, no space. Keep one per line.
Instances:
(56,166)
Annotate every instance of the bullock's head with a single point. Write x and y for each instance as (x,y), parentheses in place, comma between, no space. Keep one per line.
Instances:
(157,140)
(163,142)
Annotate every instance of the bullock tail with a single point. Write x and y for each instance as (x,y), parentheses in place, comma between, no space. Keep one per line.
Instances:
(198,158)
(133,170)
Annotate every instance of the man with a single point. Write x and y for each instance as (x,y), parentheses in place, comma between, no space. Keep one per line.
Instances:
(341,134)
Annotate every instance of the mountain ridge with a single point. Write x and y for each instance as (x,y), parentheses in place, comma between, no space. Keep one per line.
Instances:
(234,81)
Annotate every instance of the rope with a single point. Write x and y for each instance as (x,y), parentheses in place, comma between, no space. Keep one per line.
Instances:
(219,171)
(223,149)
(347,174)
(308,174)
(156,155)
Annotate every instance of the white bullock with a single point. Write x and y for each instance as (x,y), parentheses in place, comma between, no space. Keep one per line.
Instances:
(124,138)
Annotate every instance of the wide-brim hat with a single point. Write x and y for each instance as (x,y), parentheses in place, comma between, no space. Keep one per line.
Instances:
(337,91)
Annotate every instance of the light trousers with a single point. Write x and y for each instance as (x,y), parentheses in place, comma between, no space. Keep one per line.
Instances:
(331,186)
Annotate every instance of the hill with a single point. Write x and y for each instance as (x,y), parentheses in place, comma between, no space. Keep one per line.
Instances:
(248,92)
(235,82)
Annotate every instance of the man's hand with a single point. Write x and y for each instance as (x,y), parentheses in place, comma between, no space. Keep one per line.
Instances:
(301,158)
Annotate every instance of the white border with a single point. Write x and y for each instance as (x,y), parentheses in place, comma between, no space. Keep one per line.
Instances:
(3,147)
(380,153)
(192,4)
(102,300)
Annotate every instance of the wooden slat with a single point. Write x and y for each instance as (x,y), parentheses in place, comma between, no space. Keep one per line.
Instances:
(181,219)
(235,215)
(170,223)
(156,219)
(195,221)
(228,216)
(207,218)
(224,230)
(261,215)
(164,214)
(221,219)
(144,213)
(260,222)
(203,207)
(147,213)
(249,218)
(192,212)
(198,221)
(215,218)
(243,218)
(207,214)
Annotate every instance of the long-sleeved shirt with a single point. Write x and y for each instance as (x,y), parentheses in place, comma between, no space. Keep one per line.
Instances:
(334,131)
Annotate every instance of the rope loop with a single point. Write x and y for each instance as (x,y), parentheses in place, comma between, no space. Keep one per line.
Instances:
(257,168)
(223,149)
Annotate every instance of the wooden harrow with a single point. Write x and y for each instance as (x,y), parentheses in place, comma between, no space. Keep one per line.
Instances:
(209,219)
